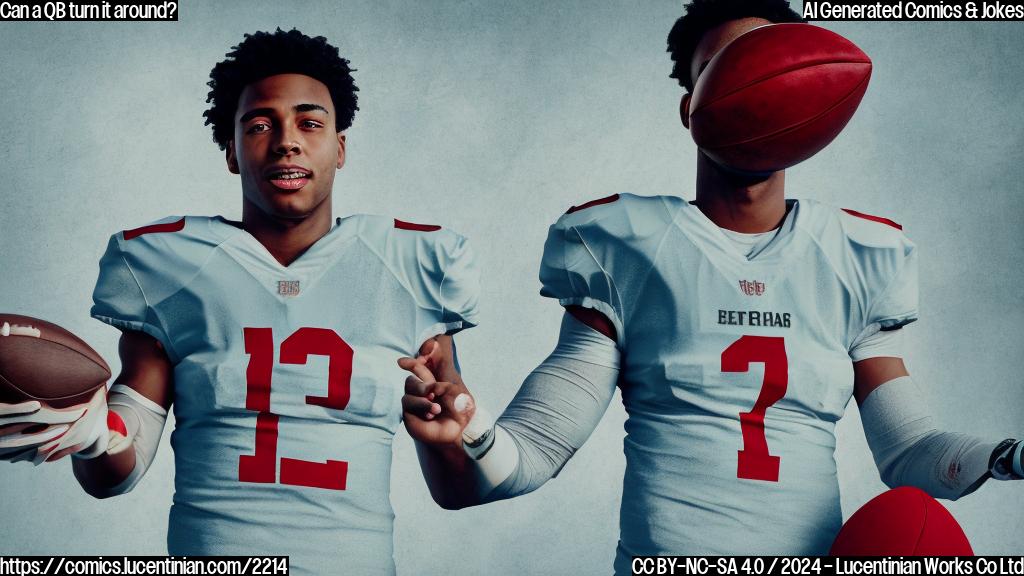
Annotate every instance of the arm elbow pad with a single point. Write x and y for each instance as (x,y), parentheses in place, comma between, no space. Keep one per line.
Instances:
(144,421)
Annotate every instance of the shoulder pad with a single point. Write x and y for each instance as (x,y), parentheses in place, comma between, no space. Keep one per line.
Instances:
(592,203)
(598,254)
(167,225)
(869,230)
(434,264)
(623,216)
(395,239)
(402,225)
(880,266)
(873,218)
(143,266)
(168,253)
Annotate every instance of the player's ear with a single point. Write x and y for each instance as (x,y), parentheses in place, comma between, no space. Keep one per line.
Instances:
(232,160)
(341,149)
(684,110)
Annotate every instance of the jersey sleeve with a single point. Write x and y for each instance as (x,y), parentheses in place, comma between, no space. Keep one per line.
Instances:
(446,282)
(598,255)
(884,264)
(570,273)
(897,304)
(118,298)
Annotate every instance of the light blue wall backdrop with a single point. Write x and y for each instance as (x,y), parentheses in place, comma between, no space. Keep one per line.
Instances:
(492,119)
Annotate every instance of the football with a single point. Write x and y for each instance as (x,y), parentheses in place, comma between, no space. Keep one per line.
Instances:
(902,522)
(42,361)
(777,95)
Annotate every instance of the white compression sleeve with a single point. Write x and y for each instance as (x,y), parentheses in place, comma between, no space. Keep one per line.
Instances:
(144,420)
(910,451)
(552,415)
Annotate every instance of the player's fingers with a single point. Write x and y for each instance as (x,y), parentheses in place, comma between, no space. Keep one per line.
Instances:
(433,355)
(18,454)
(47,416)
(454,400)
(33,439)
(22,408)
(45,450)
(57,449)
(417,366)
(419,406)
(441,389)
(423,373)
(416,387)
(42,452)
(58,454)
(428,348)
(21,428)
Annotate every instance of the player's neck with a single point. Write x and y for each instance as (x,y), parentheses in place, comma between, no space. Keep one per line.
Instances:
(286,238)
(737,203)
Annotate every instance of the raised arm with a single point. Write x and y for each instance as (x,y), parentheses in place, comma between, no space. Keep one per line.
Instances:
(446,468)
(467,459)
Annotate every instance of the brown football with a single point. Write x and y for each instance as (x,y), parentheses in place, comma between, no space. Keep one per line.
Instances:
(42,361)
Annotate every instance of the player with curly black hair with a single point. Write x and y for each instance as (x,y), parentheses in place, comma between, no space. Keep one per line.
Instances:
(265,54)
(704,15)
(737,327)
(273,338)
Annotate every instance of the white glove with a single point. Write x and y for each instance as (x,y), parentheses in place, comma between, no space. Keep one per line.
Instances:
(31,431)
(26,426)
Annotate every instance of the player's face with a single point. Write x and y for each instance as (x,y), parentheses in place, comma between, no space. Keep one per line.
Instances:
(285,147)
(716,39)
(711,43)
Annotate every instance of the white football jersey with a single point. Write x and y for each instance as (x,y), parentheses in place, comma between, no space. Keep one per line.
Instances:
(735,369)
(287,393)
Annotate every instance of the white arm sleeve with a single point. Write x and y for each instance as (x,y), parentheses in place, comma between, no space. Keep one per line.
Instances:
(910,451)
(552,415)
(144,421)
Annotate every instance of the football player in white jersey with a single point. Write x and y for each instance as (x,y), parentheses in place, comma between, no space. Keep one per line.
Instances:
(273,339)
(738,327)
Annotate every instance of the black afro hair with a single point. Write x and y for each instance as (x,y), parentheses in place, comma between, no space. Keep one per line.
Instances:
(266,54)
(703,15)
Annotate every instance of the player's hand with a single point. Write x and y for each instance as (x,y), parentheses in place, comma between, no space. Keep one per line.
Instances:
(435,412)
(26,426)
(32,432)
(438,355)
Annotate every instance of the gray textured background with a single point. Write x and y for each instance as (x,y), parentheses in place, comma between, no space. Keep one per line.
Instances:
(492,120)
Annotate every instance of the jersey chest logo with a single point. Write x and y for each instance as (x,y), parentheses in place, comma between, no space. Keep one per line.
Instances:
(288,287)
(752,287)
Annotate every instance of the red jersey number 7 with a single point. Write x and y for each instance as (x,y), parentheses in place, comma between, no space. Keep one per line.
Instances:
(755,462)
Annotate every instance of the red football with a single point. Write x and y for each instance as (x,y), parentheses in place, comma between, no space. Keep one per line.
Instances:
(42,361)
(776,95)
(902,522)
